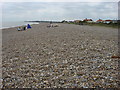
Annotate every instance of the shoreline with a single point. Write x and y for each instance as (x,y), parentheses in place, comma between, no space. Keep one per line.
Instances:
(31,23)
(60,23)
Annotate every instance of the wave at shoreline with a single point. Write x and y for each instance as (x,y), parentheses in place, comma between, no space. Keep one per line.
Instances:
(7,25)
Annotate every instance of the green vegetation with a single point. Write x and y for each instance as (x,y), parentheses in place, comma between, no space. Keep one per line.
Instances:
(113,25)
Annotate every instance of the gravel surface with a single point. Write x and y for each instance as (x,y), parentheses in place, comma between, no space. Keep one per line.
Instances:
(67,56)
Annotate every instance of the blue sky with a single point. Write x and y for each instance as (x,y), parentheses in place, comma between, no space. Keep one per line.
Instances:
(21,11)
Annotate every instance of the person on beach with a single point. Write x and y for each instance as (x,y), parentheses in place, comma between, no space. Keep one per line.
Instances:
(19,29)
(28,26)
(51,25)
(24,28)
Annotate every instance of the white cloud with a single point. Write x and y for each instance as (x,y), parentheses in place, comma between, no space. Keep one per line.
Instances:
(58,11)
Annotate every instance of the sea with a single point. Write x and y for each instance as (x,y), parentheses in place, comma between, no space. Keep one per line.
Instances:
(4,25)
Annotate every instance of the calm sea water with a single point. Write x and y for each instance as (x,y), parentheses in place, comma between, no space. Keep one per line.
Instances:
(14,24)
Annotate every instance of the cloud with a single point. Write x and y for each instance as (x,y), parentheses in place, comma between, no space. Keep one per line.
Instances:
(58,10)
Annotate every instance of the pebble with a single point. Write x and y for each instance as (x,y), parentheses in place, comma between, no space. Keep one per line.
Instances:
(47,58)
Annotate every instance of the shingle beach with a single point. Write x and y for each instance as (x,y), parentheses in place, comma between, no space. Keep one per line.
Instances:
(68,56)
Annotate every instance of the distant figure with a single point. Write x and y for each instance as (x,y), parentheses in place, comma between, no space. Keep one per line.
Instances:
(19,29)
(51,25)
(28,26)
(24,28)
(51,22)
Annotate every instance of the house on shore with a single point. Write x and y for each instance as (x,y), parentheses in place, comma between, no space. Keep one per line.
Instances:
(107,21)
(100,21)
(77,21)
(88,20)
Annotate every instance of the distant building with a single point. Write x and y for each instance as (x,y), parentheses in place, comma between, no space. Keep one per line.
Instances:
(100,21)
(107,21)
(77,21)
(88,20)
(114,21)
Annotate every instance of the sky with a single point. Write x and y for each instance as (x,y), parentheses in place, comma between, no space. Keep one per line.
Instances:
(19,10)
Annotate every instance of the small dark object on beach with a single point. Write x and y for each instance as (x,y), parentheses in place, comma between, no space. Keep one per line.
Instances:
(24,28)
(28,26)
(115,57)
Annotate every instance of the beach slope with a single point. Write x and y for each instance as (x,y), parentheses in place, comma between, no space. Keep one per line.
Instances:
(66,56)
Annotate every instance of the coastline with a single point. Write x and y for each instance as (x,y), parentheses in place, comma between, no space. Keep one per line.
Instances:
(21,24)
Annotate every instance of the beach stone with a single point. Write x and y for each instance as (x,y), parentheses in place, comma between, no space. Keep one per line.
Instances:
(69,56)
